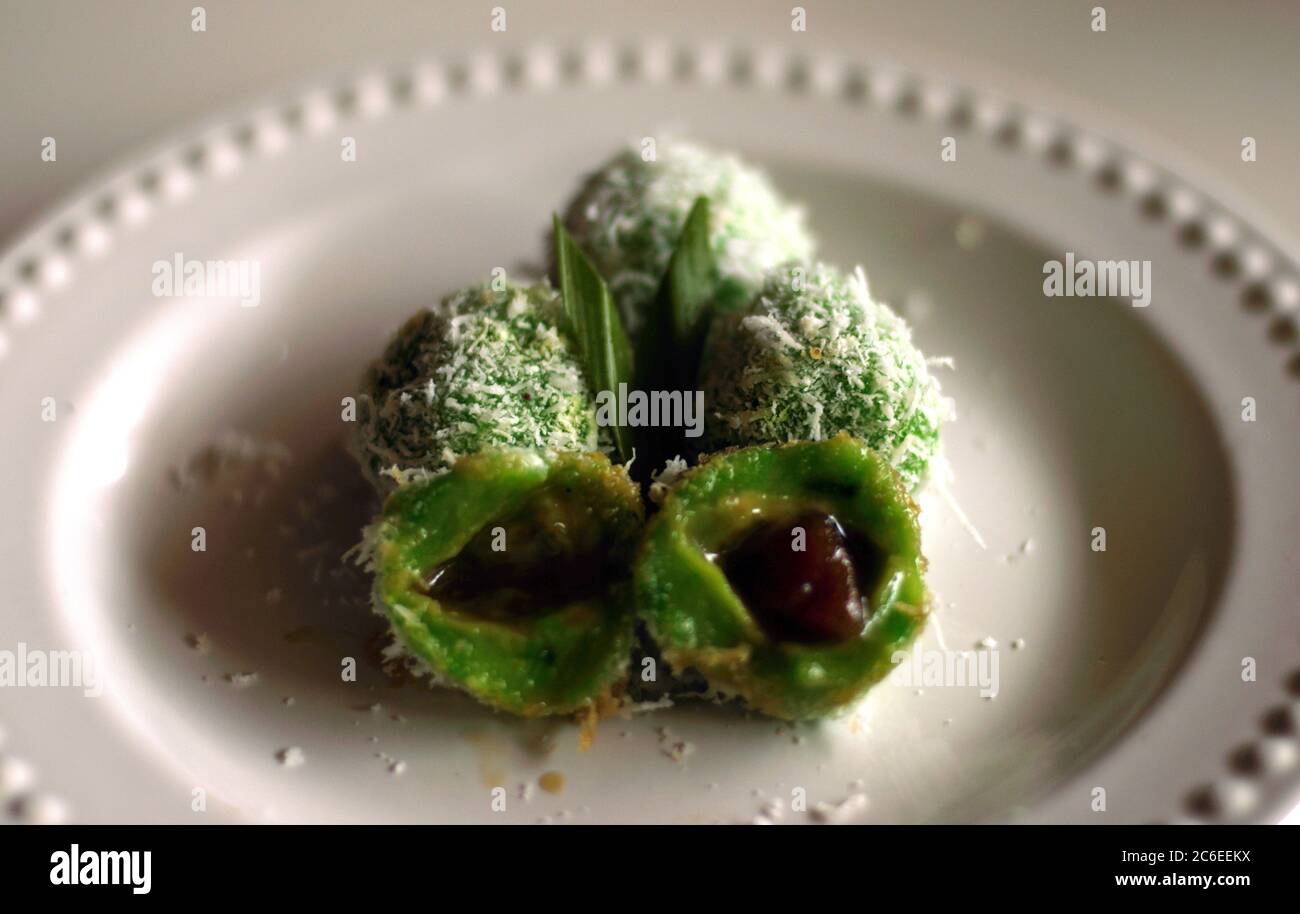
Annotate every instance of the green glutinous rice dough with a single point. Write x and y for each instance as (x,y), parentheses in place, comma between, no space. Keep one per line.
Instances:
(813,355)
(485,368)
(502,553)
(628,215)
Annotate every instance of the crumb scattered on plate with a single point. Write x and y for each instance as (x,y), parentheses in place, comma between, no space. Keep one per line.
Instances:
(291,757)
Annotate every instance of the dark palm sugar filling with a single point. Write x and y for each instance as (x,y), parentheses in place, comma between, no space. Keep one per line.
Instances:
(541,558)
(819,594)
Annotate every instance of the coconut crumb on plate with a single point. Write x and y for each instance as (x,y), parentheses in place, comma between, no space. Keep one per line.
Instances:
(291,757)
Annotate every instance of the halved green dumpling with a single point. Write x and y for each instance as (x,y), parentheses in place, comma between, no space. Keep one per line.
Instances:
(786,575)
(507,576)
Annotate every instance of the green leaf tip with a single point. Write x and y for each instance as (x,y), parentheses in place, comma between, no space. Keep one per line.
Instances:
(670,343)
(596,325)
(691,278)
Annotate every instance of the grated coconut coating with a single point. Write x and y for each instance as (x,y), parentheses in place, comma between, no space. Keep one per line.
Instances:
(481,369)
(812,361)
(628,215)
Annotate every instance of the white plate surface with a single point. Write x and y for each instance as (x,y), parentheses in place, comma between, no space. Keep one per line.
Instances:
(1075,413)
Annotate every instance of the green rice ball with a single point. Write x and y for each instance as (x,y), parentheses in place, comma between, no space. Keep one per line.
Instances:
(628,215)
(813,355)
(485,368)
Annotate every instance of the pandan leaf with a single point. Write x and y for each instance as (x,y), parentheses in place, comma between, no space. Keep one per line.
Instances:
(596,324)
(680,314)
(668,352)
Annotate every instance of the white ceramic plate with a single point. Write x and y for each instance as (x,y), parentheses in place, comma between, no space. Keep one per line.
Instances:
(1075,413)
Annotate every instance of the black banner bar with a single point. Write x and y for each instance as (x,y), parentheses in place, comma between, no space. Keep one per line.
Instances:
(383,863)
